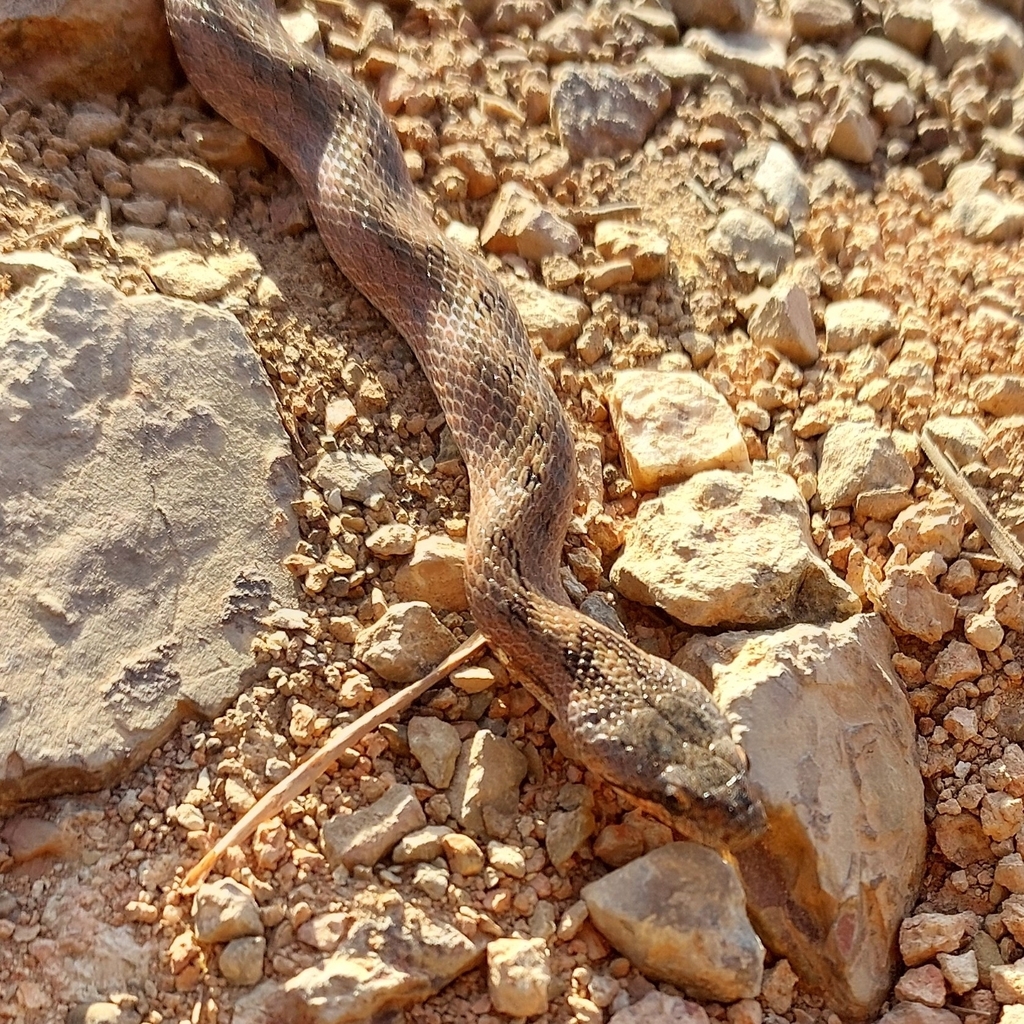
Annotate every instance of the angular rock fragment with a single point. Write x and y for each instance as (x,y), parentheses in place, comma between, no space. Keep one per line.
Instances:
(405,643)
(600,110)
(839,866)
(672,425)
(858,457)
(393,956)
(784,323)
(436,573)
(518,975)
(366,835)
(758,59)
(678,914)
(486,782)
(753,244)
(730,548)
(519,223)
(225,910)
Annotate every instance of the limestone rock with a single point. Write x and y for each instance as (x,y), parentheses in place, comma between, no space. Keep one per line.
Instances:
(392,539)
(507,859)
(893,104)
(472,678)
(758,59)
(645,249)
(960,839)
(223,146)
(935,524)
(960,972)
(1006,602)
(518,975)
(1001,394)
(838,869)
(730,16)
(569,829)
(555,320)
(517,222)
(924,985)
(173,179)
(94,125)
(566,36)
(436,745)
(101,1013)
(854,135)
(138,556)
(486,781)
(782,182)
(424,844)
(908,23)
(358,476)
(339,413)
(857,457)
(821,20)
(784,323)
(436,573)
(678,915)
(961,438)
(753,244)
(225,910)
(924,935)
(325,931)
(678,65)
(911,604)
(393,956)
(730,548)
(241,960)
(66,49)
(968,28)
(29,838)
(850,323)
(472,160)
(672,425)
(1008,982)
(405,643)
(600,110)
(366,835)
(916,1013)
(872,57)
(431,880)
(184,274)
(464,856)
(658,1008)
(986,217)
(25,266)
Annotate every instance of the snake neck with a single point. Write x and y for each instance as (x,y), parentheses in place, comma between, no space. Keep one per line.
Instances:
(450,308)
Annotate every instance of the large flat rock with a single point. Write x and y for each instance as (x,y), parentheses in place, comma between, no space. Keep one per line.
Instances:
(145,484)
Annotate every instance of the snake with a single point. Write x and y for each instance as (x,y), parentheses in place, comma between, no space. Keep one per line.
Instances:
(641,724)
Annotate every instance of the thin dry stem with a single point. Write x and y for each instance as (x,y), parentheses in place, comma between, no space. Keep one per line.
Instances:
(274,801)
(1002,543)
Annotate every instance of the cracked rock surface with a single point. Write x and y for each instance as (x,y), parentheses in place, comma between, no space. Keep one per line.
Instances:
(143,513)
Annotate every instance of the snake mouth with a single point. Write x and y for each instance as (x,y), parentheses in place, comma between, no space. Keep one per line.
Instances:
(726,814)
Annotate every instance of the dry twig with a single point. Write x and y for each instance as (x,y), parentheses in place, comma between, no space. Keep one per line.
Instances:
(1005,547)
(273,802)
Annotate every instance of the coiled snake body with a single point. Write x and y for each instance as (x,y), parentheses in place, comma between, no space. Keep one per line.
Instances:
(637,721)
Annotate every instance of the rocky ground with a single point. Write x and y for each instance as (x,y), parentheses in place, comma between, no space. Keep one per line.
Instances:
(790,249)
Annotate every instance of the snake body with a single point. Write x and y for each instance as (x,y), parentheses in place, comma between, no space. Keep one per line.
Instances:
(636,720)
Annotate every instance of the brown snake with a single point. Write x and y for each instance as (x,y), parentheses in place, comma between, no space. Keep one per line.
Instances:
(642,724)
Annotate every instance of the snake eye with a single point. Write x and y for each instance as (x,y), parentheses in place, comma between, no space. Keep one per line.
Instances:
(673,781)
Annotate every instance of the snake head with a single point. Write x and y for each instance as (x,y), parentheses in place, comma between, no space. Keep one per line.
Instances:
(659,737)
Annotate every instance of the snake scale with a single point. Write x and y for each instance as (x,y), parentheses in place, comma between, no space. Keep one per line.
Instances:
(637,721)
